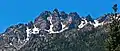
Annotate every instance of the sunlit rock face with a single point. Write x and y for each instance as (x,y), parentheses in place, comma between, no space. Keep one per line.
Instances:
(41,23)
(56,29)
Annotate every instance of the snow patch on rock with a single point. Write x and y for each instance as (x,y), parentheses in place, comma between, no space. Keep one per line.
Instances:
(35,30)
(51,26)
(83,23)
(28,31)
(11,44)
(97,23)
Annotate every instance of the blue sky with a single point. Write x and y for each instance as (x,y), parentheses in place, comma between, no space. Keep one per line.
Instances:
(22,11)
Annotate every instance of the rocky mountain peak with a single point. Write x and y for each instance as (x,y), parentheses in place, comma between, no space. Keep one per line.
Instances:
(47,27)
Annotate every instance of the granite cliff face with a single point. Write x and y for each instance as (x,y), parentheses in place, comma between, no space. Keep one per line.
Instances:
(57,31)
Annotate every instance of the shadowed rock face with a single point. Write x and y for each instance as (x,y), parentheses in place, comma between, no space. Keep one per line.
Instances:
(57,31)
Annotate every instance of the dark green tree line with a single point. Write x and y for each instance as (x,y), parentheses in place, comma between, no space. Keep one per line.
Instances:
(113,41)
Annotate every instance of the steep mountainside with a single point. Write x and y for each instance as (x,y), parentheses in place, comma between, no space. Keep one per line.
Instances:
(57,31)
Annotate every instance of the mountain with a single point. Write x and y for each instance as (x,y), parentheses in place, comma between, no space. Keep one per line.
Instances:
(57,31)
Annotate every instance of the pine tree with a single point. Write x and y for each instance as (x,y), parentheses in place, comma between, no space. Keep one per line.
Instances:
(114,36)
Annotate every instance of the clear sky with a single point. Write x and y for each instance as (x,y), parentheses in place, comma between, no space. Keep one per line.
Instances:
(22,11)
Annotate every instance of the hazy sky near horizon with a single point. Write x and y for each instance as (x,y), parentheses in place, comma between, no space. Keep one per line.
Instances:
(22,11)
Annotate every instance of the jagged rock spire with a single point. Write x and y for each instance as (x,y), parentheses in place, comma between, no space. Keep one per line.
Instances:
(63,14)
(56,13)
(89,18)
(30,24)
(55,10)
